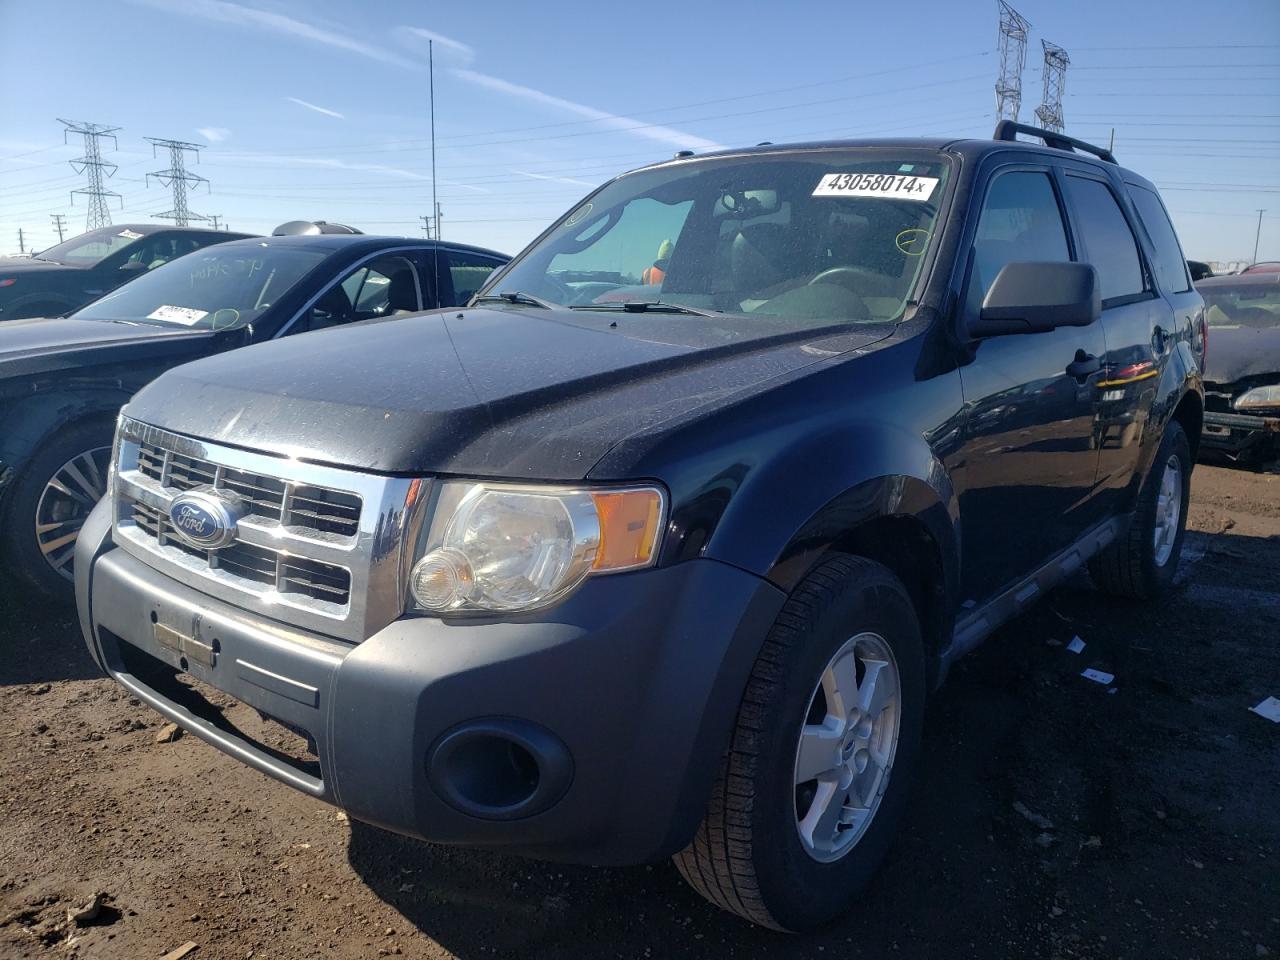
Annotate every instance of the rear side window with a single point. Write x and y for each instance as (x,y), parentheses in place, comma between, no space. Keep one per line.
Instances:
(1107,238)
(1170,266)
(1020,221)
(468,273)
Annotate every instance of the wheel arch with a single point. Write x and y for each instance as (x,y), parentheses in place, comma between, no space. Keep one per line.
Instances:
(37,415)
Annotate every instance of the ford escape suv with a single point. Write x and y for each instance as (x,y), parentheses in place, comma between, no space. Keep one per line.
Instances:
(659,545)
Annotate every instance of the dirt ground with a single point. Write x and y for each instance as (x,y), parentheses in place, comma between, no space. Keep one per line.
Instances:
(1053,816)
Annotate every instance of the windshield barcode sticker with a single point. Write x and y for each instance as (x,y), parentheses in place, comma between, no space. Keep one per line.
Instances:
(895,186)
(185,315)
(129,234)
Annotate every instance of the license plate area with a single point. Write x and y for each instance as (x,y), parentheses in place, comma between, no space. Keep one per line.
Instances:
(188,649)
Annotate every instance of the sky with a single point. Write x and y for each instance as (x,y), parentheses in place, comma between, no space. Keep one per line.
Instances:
(318,109)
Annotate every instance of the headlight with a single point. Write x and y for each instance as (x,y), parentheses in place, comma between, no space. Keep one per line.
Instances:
(505,548)
(1259,398)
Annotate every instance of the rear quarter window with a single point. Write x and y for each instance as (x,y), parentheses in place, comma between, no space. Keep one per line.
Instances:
(1108,241)
(1170,266)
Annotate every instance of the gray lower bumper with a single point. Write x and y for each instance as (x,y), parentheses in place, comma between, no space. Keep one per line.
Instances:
(638,676)
(1239,434)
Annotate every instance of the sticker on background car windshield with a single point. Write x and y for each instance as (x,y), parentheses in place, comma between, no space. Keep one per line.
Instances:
(895,186)
(185,315)
(129,235)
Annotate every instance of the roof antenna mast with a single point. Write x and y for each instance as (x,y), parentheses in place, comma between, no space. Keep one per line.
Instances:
(1014,29)
(435,207)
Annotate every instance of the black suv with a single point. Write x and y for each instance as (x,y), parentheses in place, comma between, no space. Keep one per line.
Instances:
(57,280)
(63,380)
(660,545)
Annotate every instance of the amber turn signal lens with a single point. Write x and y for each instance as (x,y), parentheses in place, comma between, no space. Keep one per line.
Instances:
(629,521)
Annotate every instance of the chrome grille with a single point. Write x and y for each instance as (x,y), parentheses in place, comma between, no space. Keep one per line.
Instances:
(273,568)
(322,548)
(300,505)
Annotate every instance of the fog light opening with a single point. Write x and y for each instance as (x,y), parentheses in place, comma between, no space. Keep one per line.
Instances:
(493,772)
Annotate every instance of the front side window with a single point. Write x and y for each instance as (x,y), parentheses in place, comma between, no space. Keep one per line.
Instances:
(220,287)
(795,238)
(382,287)
(1170,267)
(1107,238)
(1020,220)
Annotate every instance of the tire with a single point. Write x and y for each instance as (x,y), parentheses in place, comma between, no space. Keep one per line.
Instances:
(749,856)
(1135,565)
(76,456)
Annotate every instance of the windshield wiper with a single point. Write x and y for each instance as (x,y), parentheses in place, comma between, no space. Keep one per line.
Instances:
(516,296)
(646,306)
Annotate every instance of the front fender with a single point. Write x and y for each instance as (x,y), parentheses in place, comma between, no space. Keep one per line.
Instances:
(31,418)
(788,512)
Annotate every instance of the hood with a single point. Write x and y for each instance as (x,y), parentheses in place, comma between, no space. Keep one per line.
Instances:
(41,345)
(1239,352)
(505,392)
(10,266)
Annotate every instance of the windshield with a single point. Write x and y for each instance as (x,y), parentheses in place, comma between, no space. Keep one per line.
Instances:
(216,288)
(1243,304)
(808,237)
(89,248)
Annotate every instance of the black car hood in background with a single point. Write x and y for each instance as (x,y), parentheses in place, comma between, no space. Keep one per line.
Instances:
(39,345)
(1239,352)
(508,392)
(13,266)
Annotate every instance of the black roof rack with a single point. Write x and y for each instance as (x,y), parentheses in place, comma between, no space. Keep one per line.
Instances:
(1009,130)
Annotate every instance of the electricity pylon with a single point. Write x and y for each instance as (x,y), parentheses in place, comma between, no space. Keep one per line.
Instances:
(1014,28)
(93,166)
(1049,113)
(177,177)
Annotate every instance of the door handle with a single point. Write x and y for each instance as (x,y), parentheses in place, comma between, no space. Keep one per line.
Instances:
(1159,339)
(1084,366)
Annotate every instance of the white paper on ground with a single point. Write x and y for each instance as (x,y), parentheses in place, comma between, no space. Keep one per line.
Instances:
(1097,676)
(1076,645)
(1268,708)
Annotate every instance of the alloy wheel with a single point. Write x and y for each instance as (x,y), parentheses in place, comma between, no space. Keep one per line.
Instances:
(846,747)
(64,505)
(1168,510)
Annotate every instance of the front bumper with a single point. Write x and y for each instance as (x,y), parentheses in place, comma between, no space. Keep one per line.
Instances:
(1239,434)
(635,680)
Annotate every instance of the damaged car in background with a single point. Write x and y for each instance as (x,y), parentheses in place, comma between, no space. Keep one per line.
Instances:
(1242,374)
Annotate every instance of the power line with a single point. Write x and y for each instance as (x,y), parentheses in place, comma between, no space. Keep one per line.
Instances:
(177,177)
(93,167)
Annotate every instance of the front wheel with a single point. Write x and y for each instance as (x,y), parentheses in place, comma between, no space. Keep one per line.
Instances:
(816,774)
(49,503)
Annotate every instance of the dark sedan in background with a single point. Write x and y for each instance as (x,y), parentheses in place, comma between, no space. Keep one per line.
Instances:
(62,278)
(1242,373)
(63,381)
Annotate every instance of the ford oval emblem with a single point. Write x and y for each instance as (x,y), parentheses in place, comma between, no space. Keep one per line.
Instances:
(204,518)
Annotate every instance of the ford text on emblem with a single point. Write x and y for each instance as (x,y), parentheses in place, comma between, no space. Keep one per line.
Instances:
(205,518)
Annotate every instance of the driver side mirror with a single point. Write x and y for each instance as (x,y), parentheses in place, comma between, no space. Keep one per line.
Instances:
(1034,297)
(131,268)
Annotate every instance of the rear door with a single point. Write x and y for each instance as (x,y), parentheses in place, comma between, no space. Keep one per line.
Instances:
(1137,323)
(1029,455)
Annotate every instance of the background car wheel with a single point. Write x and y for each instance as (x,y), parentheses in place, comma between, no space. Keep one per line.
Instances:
(50,501)
(1142,563)
(818,766)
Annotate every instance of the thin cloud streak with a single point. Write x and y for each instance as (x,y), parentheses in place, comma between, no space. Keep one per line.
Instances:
(454,48)
(318,109)
(544,176)
(223,11)
(661,134)
(214,134)
(284,159)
